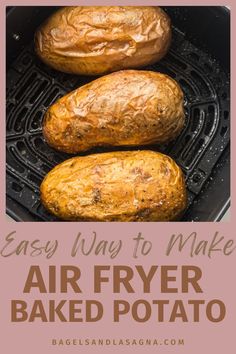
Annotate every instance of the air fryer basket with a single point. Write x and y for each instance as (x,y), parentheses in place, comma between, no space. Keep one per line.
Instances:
(198,60)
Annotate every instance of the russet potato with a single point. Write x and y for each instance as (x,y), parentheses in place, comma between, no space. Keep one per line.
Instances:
(94,40)
(116,186)
(125,108)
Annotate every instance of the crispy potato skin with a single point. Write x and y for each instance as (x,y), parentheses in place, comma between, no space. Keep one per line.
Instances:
(95,40)
(116,186)
(125,108)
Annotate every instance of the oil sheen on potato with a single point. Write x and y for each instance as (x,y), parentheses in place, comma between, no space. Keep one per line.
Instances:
(116,186)
(125,108)
(94,40)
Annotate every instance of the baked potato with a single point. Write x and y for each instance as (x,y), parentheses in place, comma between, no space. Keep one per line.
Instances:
(94,40)
(116,186)
(125,108)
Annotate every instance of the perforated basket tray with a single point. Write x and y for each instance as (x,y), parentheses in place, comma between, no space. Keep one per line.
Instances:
(32,87)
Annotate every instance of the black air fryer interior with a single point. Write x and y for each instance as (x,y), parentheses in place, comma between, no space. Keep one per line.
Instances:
(198,60)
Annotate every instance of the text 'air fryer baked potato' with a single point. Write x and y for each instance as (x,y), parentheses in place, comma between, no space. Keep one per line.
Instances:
(94,40)
(124,108)
(116,186)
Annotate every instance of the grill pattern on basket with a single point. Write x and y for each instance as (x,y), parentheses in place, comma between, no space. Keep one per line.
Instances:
(32,87)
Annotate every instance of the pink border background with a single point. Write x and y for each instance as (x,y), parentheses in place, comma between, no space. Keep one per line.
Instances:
(218,272)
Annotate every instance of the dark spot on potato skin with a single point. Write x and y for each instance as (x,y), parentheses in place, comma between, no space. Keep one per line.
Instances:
(67,133)
(96,195)
(140,172)
(146,176)
(143,213)
(136,170)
